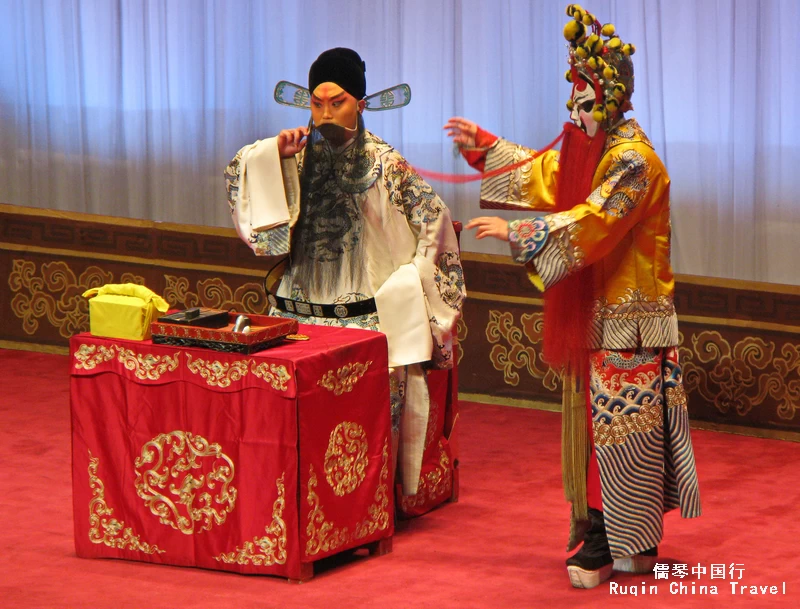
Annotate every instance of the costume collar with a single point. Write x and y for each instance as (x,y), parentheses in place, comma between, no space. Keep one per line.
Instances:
(626,132)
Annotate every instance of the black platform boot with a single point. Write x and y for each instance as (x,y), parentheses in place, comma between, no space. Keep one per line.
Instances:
(592,564)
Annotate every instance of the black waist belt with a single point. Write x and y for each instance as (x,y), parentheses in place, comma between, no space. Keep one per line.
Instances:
(348,309)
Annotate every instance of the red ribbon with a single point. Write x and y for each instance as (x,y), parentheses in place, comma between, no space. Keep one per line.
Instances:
(454,178)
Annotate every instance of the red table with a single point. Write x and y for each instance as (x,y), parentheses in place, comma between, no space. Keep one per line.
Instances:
(258,463)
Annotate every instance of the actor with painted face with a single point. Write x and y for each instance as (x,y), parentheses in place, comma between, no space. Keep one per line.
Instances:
(600,251)
(369,244)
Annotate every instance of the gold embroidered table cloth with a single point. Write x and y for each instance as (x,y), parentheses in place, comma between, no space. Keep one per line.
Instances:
(261,463)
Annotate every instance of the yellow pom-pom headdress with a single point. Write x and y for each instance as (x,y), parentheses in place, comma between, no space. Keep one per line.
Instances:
(597,55)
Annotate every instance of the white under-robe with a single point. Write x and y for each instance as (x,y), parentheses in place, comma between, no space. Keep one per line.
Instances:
(406,246)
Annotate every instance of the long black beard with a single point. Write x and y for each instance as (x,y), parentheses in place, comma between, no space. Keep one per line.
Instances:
(330,223)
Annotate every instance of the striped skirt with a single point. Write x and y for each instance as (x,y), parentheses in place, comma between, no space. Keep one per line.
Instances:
(642,442)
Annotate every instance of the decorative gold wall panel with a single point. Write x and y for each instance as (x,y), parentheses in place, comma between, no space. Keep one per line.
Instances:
(48,259)
(740,341)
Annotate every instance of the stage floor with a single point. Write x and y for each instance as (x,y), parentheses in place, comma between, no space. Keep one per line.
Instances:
(501,545)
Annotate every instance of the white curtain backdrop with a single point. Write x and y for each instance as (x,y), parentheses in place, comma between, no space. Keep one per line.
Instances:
(132,108)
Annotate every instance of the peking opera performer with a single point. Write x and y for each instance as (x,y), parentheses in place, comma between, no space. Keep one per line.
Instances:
(598,245)
(364,241)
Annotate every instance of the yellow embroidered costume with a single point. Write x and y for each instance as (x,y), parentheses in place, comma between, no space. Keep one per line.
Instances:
(600,249)
(633,278)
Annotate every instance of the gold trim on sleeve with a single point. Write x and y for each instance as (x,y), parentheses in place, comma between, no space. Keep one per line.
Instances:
(270,549)
(107,530)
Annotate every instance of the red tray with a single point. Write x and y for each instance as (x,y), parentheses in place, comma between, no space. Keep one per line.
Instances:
(265,332)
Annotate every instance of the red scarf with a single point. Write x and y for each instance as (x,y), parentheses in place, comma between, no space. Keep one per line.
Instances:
(567,305)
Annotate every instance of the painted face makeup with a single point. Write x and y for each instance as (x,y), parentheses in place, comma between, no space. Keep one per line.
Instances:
(583,100)
(335,112)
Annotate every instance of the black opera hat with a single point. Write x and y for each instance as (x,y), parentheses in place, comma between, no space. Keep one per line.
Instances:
(341,66)
(345,68)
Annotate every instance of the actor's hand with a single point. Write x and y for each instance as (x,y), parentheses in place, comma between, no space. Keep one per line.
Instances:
(462,131)
(489,226)
(291,141)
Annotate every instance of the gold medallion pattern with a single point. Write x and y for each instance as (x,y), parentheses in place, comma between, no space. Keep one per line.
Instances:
(378,513)
(216,373)
(433,485)
(110,531)
(515,354)
(744,375)
(148,367)
(267,550)
(676,396)
(649,417)
(168,480)
(345,378)
(322,535)
(275,374)
(88,357)
(346,459)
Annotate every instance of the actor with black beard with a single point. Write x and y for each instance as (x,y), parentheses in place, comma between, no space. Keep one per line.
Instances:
(368,243)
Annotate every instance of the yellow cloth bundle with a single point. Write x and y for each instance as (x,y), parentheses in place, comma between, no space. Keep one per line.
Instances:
(123,310)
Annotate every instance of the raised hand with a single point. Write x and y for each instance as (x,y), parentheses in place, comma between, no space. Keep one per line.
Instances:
(489,226)
(291,141)
(462,131)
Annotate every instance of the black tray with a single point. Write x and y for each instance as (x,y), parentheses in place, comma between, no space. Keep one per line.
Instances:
(198,317)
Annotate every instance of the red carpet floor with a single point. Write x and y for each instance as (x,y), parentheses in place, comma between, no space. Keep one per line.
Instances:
(500,546)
